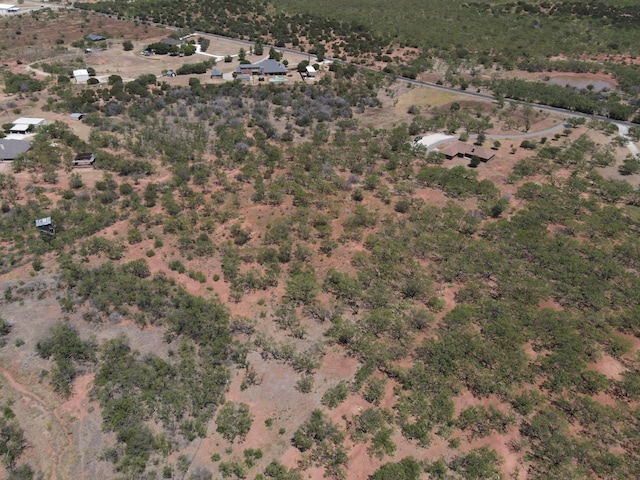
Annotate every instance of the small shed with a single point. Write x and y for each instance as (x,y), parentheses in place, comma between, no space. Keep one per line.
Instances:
(311,72)
(81,75)
(45,225)
(77,116)
(95,37)
(216,73)
(84,160)
(170,73)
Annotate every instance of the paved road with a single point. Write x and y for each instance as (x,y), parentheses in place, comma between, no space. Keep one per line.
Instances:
(468,93)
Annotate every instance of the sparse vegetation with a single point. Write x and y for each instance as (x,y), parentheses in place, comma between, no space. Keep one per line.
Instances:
(277,251)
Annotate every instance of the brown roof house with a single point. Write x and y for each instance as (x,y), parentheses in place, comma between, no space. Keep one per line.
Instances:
(461,149)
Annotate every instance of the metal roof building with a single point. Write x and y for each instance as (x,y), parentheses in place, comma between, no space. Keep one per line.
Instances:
(81,75)
(8,8)
(94,37)
(12,149)
(24,124)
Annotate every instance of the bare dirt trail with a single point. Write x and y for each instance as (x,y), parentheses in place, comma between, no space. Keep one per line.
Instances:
(18,387)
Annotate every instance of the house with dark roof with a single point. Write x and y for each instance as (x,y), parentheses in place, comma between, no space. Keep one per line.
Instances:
(11,149)
(172,42)
(461,149)
(268,66)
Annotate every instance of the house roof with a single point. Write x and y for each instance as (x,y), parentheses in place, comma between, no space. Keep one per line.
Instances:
(43,222)
(76,116)
(81,75)
(311,69)
(6,6)
(11,149)
(30,121)
(171,41)
(268,66)
(216,72)
(20,128)
(94,37)
(461,148)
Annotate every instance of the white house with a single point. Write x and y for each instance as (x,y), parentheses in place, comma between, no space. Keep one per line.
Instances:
(24,124)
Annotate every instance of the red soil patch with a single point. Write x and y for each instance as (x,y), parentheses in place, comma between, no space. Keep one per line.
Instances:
(77,405)
(608,366)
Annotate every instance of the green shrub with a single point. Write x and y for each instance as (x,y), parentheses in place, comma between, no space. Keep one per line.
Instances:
(177,266)
(134,236)
(234,421)
(334,396)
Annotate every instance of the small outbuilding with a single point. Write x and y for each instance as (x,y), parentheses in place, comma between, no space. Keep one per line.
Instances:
(216,73)
(84,160)
(77,116)
(45,225)
(311,72)
(95,37)
(11,149)
(81,75)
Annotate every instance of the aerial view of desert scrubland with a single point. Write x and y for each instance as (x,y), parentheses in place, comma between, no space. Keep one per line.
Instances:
(331,239)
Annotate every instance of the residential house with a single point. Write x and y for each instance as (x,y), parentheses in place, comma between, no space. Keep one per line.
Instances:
(461,149)
(172,42)
(268,66)
(11,149)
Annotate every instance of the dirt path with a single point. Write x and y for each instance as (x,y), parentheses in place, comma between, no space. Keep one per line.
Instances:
(18,387)
(624,131)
